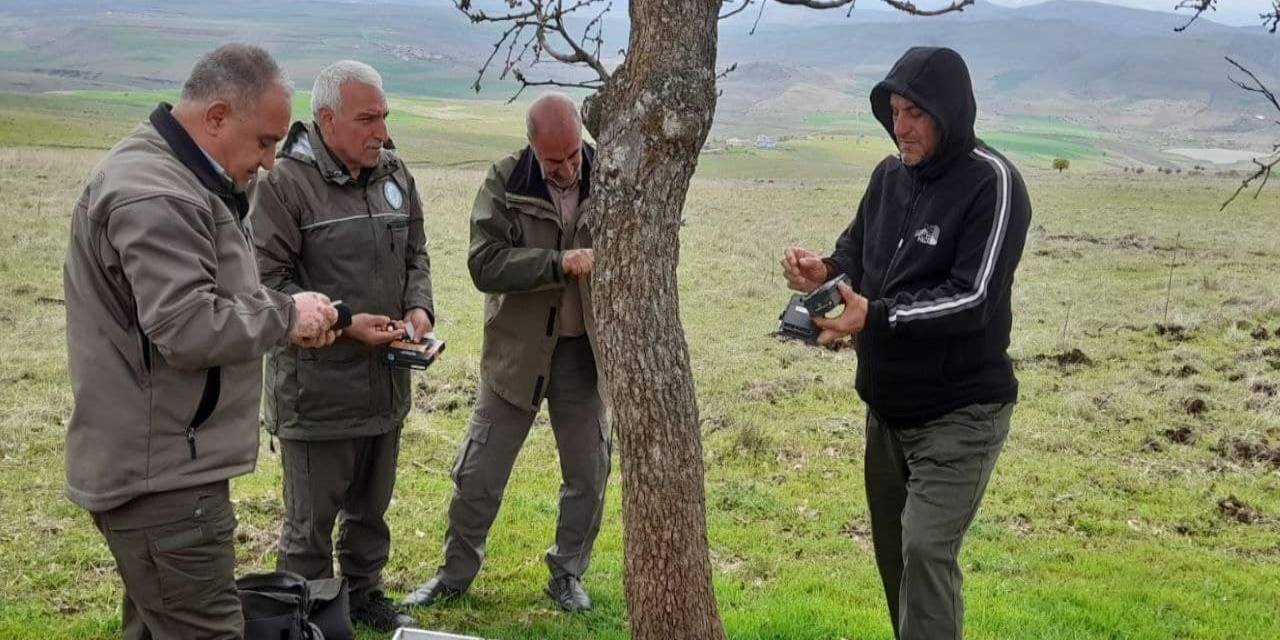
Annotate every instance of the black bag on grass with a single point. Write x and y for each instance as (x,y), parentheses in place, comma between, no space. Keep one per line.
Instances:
(284,606)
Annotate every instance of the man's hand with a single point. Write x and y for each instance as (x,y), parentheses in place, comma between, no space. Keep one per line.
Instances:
(850,322)
(421,322)
(577,263)
(804,269)
(313,320)
(323,340)
(373,330)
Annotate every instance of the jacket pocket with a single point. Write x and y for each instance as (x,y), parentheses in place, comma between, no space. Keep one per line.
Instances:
(333,384)
(398,237)
(178,398)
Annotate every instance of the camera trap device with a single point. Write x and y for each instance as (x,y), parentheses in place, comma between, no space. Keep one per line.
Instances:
(402,354)
(796,321)
(826,297)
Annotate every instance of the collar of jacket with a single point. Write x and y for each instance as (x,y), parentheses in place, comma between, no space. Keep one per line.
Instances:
(194,159)
(305,144)
(526,179)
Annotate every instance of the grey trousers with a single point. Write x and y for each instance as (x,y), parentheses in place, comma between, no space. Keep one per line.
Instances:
(924,485)
(176,555)
(495,435)
(349,481)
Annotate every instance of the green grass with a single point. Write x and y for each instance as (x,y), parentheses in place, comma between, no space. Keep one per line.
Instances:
(1085,533)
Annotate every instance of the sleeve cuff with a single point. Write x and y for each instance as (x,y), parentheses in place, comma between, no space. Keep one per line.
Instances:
(878,315)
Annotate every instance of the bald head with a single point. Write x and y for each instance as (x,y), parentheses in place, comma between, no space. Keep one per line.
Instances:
(553,114)
(555,134)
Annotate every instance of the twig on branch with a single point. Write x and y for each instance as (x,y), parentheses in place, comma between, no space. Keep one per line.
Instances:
(1266,166)
(536,32)
(740,8)
(905,6)
(1198,7)
(759,15)
(1271,19)
(733,67)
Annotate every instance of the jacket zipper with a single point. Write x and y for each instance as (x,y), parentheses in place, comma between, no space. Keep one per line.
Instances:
(902,233)
(377,268)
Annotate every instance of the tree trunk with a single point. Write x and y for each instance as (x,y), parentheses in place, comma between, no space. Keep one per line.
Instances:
(650,121)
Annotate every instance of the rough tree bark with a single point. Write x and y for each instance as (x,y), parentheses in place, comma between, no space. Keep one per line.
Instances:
(650,120)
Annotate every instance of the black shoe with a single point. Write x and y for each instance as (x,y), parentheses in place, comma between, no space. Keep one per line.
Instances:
(378,612)
(568,594)
(430,593)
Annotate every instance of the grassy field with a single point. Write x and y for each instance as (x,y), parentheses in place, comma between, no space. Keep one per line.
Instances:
(1138,496)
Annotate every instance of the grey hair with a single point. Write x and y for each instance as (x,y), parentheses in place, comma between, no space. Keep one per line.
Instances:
(546,98)
(236,73)
(326,92)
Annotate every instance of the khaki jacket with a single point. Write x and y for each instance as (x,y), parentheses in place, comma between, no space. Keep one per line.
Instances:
(359,241)
(166,323)
(517,238)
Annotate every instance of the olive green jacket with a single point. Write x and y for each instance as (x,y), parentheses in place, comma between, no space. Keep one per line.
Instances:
(358,241)
(517,238)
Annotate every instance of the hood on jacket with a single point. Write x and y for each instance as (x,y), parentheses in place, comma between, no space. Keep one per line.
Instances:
(305,144)
(937,80)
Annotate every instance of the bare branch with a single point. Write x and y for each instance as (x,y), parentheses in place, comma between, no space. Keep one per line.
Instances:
(742,7)
(905,6)
(525,83)
(758,16)
(733,67)
(1256,87)
(1271,19)
(1198,7)
(538,32)
(1265,168)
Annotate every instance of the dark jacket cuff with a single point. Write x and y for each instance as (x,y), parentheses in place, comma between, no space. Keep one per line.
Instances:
(878,315)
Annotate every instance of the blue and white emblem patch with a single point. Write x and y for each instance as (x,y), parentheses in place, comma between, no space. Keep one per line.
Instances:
(392,193)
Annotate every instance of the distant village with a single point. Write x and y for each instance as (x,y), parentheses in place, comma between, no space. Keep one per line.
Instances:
(729,144)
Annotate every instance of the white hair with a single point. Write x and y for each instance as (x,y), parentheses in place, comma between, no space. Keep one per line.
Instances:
(326,93)
(548,99)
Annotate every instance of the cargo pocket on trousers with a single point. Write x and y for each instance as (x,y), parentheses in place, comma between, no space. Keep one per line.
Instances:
(196,558)
(464,476)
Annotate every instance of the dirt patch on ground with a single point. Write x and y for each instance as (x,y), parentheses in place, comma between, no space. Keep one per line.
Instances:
(1181,435)
(1237,510)
(1249,450)
(1194,406)
(1128,241)
(859,532)
(773,391)
(1173,332)
(437,397)
(1067,360)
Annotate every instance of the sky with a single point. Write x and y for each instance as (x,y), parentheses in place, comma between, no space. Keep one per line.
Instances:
(1232,12)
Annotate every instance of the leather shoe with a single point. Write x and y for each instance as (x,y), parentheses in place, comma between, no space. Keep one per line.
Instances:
(568,594)
(430,593)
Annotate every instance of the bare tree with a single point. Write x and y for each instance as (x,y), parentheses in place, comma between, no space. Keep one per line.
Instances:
(1270,21)
(649,116)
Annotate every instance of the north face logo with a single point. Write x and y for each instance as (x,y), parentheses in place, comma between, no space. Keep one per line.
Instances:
(928,235)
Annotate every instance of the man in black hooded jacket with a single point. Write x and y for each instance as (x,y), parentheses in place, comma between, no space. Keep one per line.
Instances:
(931,255)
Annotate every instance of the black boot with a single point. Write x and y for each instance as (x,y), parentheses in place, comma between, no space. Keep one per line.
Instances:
(568,594)
(378,613)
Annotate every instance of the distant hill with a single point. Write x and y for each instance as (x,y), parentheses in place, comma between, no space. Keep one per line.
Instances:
(1102,66)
